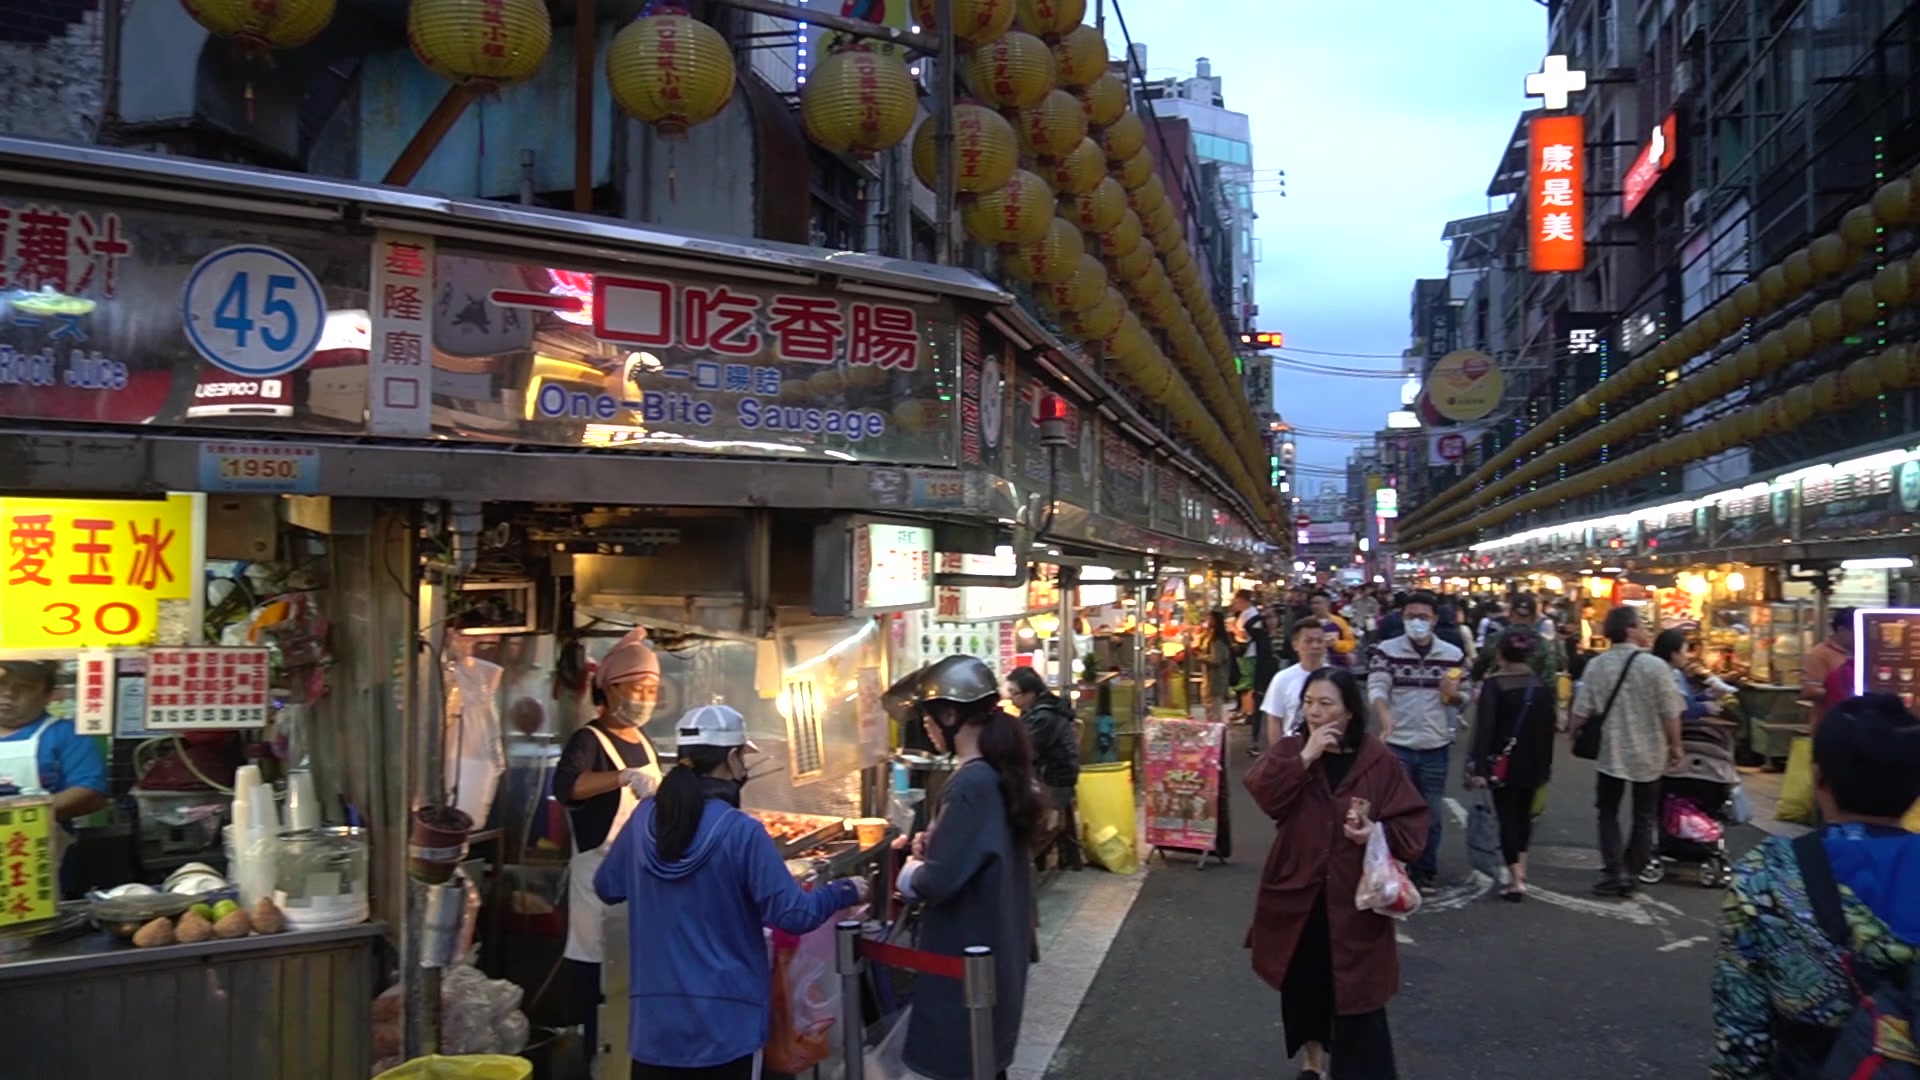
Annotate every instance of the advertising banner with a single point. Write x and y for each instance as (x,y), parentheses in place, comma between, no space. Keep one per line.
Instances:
(1870,500)
(1757,517)
(1556,193)
(1888,640)
(86,573)
(1182,774)
(985,361)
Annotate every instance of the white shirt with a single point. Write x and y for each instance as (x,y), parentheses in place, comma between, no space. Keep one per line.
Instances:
(1283,697)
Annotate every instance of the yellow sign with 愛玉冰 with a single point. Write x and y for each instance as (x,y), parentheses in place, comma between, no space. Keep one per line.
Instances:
(91,573)
(29,889)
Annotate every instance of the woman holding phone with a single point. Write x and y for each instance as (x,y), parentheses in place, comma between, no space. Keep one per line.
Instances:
(1335,965)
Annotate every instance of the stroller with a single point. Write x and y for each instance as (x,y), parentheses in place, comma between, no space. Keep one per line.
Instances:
(1705,777)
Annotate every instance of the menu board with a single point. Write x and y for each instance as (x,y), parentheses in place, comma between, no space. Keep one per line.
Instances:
(1183,766)
(208,689)
(892,567)
(1888,641)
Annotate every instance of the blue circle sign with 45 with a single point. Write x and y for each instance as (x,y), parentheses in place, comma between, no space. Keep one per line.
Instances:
(253,310)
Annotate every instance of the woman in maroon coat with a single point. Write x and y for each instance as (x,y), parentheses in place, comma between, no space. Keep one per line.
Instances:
(1334,965)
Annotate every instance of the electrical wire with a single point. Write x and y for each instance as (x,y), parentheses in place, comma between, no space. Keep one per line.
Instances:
(1345,355)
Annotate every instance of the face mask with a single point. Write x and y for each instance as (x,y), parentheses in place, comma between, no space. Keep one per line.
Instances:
(1419,629)
(631,713)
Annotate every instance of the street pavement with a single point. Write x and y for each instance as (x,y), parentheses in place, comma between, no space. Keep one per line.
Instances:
(1564,985)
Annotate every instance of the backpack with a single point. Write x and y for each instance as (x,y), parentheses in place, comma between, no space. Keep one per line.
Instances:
(1876,1042)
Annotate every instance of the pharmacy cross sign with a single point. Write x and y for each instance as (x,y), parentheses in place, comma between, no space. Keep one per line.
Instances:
(1554,83)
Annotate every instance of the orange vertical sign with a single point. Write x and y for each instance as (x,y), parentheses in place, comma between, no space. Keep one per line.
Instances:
(1556,190)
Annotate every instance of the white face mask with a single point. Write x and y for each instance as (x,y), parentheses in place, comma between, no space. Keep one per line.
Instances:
(632,711)
(1419,629)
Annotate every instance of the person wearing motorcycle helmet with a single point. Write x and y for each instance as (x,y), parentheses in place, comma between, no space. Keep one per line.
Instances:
(971,869)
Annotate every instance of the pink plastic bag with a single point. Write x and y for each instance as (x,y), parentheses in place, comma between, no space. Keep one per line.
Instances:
(806,1000)
(1385,887)
(1684,819)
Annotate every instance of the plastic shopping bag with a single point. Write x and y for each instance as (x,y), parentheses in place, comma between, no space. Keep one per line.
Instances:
(1912,820)
(1385,887)
(806,1000)
(1483,840)
(1684,819)
(1796,788)
(884,1061)
(1740,807)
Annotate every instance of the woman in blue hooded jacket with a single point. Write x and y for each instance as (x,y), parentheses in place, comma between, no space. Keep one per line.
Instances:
(700,879)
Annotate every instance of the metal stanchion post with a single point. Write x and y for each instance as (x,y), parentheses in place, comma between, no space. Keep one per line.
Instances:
(977,986)
(853,1028)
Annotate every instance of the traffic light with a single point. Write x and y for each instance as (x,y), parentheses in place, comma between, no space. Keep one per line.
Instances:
(1264,339)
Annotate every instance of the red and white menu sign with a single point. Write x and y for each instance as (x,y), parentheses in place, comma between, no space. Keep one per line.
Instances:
(93,693)
(892,568)
(400,361)
(207,689)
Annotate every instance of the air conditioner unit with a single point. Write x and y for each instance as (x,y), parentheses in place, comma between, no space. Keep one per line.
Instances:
(1689,22)
(1685,75)
(1696,206)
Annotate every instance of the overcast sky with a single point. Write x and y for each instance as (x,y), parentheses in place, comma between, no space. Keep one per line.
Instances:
(1389,119)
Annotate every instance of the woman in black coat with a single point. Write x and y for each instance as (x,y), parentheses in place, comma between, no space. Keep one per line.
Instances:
(1513,735)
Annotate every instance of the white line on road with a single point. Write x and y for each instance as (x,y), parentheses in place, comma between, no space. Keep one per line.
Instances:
(1626,911)
(1455,811)
(1400,936)
(1684,943)
(1457,897)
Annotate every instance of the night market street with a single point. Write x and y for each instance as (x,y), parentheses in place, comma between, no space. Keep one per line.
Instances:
(1563,985)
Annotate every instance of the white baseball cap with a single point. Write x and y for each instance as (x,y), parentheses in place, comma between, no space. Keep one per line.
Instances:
(715,725)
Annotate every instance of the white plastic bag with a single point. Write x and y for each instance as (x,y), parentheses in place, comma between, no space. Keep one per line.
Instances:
(1385,887)
(884,1061)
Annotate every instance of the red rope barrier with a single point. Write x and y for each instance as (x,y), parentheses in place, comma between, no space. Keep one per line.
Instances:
(926,963)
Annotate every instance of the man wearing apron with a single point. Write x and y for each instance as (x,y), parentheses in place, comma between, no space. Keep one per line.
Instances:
(43,756)
(607,767)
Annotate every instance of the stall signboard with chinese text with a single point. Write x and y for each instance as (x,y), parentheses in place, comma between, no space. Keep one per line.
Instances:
(978,603)
(400,360)
(29,889)
(892,567)
(108,305)
(1182,782)
(680,362)
(985,362)
(207,689)
(1556,193)
(268,468)
(94,691)
(1655,159)
(87,573)
(1747,518)
(1873,498)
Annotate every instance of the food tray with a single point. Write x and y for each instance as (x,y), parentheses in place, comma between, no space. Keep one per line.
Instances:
(795,833)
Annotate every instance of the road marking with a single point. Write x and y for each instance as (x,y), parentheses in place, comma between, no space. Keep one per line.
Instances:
(1456,897)
(1684,943)
(1400,936)
(1455,811)
(1625,911)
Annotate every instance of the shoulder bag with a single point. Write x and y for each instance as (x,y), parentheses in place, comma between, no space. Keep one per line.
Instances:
(1497,768)
(1586,745)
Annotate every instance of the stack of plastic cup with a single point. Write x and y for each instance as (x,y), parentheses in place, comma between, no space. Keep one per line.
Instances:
(303,806)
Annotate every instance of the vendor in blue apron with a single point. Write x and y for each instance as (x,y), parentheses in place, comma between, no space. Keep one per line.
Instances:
(43,756)
(607,767)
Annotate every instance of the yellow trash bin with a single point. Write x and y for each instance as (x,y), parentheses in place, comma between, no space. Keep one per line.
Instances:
(462,1067)
(1107,816)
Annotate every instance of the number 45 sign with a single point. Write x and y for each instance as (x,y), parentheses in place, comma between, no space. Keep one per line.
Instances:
(254,311)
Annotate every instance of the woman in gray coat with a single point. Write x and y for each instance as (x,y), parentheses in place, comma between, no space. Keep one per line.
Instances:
(972,868)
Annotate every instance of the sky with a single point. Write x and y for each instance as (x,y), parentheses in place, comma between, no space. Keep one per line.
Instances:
(1389,119)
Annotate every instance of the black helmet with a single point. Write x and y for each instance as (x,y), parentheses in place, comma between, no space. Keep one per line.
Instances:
(962,680)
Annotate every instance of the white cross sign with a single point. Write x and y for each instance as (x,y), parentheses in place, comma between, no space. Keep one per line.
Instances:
(1553,82)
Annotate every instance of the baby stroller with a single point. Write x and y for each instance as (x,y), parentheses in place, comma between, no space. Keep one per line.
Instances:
(1696,834)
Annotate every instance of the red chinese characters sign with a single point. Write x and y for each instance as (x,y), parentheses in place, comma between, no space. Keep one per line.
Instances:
(80,573)
(1655,159)
(50,250)
(27,888)
(207,689)
(400,353)
(1182,788)
(1556,193)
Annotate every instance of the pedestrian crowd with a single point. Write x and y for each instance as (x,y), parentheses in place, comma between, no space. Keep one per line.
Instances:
(1818,973)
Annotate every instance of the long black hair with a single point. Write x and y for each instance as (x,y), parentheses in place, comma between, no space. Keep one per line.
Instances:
(1005,745)
(1356,702)
(682,801)
(1669,643)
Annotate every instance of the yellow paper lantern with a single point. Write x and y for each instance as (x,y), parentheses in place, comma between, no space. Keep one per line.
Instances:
(1012,72)
(1105,99)
(1746,362)
(1825,323)
(484,44)
(1136,170)
(1158,306)
(1101,209)
(975,22)
(1079,292)
(1826,393)
(1099,321)
(1748,300)
(1860,228)
(1049,18)
(670,71)
(1773,285)
(1799,405)
(1131,265)
(1053,259)
(1893,284)
(985,150)
(1894,204)
(1798,266)
(282,24)
(1799,338)
(1124,137)
(1148,197)
(1080,57)
(1774,353)
(1899,368)
(1080,171)
(1749,419)
(1018,212)
(1123,236)
(1830,254)
(858,101)
(1858,305)
(1861,380)
(1052,129)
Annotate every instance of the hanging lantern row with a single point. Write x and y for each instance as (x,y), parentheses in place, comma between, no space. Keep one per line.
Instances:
(287,24)
(858,101)
(1892,206)
(975,22)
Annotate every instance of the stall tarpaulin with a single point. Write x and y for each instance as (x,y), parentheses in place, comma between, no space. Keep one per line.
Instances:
(1182,781)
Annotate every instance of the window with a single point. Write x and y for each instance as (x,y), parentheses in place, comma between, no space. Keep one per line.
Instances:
(1217,148)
